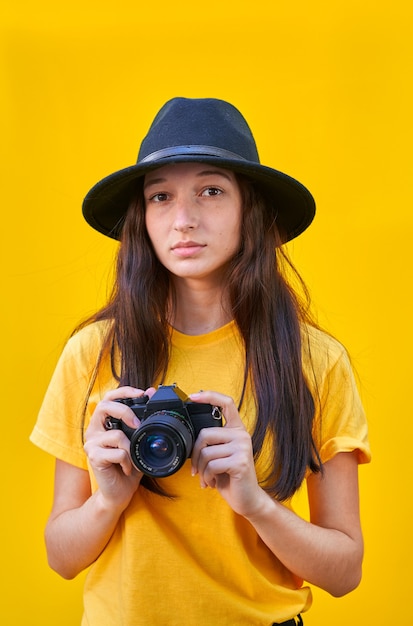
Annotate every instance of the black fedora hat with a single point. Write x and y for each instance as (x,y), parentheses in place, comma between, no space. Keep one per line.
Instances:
(203,130)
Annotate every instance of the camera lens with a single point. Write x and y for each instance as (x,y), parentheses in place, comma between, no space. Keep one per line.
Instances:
(158,446)
(162,444)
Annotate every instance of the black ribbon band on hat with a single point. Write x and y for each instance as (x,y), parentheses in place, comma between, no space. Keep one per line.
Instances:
(190,150)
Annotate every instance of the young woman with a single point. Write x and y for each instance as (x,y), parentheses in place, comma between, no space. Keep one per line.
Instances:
(201,300)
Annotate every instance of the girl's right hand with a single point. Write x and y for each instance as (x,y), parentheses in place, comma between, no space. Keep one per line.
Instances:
(108,450)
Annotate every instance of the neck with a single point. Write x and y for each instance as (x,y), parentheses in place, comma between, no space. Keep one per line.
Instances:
(199,310)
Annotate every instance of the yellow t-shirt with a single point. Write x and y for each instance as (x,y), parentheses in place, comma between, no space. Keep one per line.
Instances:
(192,560)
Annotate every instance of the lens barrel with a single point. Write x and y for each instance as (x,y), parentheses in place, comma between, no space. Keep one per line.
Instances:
(162,443)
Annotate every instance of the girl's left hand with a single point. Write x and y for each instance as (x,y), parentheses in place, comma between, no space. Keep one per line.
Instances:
(223,457)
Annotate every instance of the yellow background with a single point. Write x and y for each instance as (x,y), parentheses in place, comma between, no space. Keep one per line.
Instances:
(326,88)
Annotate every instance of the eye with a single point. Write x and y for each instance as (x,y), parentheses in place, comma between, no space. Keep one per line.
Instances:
(158,197)
(211,191)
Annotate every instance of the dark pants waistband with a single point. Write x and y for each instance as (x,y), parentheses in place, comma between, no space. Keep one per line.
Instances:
(295,621)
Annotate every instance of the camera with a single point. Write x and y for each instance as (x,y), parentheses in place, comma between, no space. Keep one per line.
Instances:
(170,424)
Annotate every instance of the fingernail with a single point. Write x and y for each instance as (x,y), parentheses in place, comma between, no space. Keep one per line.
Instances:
(196,395)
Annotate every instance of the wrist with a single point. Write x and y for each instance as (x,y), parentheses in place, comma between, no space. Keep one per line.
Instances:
(263,506)
(109,507)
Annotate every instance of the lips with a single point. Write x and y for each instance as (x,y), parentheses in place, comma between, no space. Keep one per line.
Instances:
(186,249)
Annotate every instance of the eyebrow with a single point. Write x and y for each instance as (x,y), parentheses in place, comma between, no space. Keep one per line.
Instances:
(157,181)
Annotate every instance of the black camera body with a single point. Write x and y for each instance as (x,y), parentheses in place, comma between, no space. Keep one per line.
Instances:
(170,424)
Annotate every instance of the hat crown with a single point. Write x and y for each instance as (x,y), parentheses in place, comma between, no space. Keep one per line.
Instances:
(206,122)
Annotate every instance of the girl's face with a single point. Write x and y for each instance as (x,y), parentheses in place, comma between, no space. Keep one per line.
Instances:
(193,218)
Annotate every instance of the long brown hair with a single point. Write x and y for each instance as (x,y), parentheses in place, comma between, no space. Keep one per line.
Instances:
(270,316)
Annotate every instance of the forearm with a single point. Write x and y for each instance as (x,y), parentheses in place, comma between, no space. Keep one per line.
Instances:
(326,557)
(76,537)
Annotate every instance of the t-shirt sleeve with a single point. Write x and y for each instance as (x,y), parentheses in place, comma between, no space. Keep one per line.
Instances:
(340,423)
(61,421)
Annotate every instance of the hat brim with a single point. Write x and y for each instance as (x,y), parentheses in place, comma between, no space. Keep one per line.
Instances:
(105,205)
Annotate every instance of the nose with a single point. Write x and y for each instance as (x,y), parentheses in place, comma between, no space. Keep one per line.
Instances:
(186,214)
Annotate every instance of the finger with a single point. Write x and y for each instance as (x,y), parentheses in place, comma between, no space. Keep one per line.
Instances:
(150,391)
(220,443)
(103,458)
(226,404)
(120,410)
(212,461)
(125,392)
(111,408)
(207,437)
